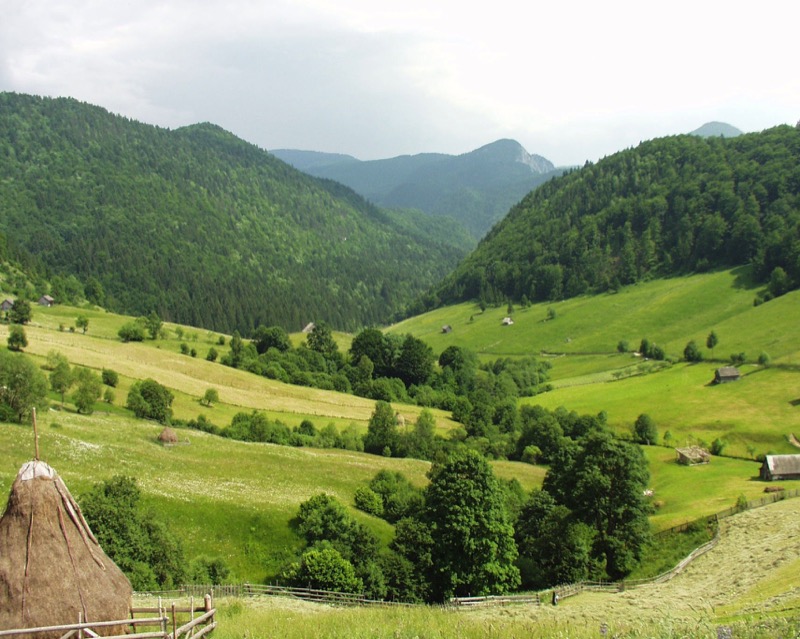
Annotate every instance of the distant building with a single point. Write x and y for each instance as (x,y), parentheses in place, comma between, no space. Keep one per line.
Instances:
(46,300)
(507,321)
(693,455)
(309,327)
(777,467)
(726,374)
(7,305)
(447,328)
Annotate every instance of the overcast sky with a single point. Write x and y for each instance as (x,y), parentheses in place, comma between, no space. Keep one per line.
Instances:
(379,78)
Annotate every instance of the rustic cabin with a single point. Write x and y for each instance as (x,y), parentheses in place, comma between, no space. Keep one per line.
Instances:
(309,327)
(692,455)
(726,374)
(778,467)
(7,305)
(46,300)
(447,328)
(507,321)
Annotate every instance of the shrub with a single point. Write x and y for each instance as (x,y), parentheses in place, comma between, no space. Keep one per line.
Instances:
(150,400)
(110,378)
(368,501)
(131,332)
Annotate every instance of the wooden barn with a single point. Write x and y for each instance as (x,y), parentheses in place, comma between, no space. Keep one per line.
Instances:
(46,300)
(6,305)
(692,455)
(726,374)
(777,467)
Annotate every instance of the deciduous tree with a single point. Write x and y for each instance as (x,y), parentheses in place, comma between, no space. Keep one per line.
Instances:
(472,541)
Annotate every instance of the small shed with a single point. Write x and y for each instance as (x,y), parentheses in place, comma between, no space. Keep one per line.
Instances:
(309,327)
(7,305)
(447,328)
(692,455)
(46,300)
(507,321)
(726,374)
(777,467)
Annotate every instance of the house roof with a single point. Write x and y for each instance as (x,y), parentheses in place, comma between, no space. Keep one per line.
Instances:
(783,464)
(728,371)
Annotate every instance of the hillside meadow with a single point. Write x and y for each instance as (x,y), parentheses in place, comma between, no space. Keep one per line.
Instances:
(236,500)
(753,416)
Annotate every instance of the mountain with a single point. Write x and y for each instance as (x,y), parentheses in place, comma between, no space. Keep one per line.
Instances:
(476,188)
(305,160)
(199,225)
(670,206)
(716,130)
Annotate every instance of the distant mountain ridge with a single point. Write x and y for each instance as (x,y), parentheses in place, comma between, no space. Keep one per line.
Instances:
(201,226)
(717,130)
(476,188)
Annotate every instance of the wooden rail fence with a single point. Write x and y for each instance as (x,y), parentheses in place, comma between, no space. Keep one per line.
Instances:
(165,624)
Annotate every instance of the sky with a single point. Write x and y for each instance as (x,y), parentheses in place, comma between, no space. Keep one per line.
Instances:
(571,81)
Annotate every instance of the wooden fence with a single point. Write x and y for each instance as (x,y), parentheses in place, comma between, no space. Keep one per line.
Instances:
(163,626)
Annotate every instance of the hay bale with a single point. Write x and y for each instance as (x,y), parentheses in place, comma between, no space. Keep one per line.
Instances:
(51,566)
(168,436)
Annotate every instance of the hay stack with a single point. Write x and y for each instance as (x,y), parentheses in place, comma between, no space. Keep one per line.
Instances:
(168,436)
(51,567)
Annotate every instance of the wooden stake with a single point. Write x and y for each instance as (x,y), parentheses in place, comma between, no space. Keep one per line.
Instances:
(35,437)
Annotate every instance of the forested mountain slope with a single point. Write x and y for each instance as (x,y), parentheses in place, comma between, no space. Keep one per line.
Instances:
(475,188)
(670,206)
(199,225)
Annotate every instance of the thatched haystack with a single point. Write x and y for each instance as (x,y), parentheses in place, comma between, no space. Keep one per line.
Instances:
(168,437)
(51,567)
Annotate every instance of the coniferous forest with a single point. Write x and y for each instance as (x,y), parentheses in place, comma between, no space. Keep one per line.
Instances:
(198,225)
(669,206)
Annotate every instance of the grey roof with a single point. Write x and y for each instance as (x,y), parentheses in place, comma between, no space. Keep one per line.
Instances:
(783,464)
(728,371)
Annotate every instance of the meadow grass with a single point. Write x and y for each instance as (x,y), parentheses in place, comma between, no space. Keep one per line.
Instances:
(222,497)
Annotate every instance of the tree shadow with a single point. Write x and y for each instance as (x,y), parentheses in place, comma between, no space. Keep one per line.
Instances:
(744,278)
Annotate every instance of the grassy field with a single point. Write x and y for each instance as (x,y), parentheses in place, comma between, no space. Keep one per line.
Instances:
(222,497)
(753,416)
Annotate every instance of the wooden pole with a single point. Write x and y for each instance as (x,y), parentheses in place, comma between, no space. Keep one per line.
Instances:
(35,437)
(174,623)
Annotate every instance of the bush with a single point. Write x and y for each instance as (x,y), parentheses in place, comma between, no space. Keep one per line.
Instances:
(110,378)
(150,400)
(131,332)
(368,501)
(324,569)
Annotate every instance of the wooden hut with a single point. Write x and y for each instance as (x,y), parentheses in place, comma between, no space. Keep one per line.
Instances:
(692,455)
(726,374)
(778,467)
(52,569)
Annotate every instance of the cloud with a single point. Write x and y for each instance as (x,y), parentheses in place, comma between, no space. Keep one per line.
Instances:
(570,81)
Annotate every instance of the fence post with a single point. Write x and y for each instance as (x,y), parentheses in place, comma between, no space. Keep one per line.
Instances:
(174,623)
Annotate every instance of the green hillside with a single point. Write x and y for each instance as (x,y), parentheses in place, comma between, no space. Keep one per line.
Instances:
(669,206)
(588,374)
(198,225)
